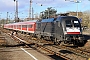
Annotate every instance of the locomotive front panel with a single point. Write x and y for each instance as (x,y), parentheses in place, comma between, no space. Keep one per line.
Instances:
(73,31)
(68,30)
(72,27)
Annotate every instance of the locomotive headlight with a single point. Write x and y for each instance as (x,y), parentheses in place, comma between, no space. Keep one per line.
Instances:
(78,28)
(65,32)
(67,28)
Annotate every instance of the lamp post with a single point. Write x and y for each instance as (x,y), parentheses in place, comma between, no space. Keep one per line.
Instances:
(77,6)
(30,9)
(16,10)
(7,18)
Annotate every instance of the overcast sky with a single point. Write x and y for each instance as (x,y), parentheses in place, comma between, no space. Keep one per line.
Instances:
(61,6)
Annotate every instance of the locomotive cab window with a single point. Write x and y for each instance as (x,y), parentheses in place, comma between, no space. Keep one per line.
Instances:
(76,23)
(68,23)
(72,23)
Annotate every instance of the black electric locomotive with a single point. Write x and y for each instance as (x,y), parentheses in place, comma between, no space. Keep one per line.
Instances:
(65,29)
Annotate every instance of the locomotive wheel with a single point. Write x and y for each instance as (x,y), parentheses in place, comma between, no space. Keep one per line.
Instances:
(65,42)
(81,43)
(78,43)
(56,42)
(75,43)
(62,43)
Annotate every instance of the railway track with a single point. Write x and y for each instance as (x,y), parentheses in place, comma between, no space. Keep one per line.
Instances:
(2,39)
(49,48)
(38,47)
(77,52)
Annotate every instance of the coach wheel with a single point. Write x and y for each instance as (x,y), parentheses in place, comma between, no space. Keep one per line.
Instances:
(16,33)
(12,32)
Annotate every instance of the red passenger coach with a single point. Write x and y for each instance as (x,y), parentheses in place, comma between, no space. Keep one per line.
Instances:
(31,27)
(27,26)
(8,26)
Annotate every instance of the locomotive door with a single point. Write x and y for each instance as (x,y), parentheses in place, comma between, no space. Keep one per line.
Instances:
(58,30)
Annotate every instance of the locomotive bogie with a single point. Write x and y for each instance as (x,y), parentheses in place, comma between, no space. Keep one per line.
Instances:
(76,40)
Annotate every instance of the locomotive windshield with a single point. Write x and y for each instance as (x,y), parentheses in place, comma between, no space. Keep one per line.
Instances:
(72,23)
(68,23)
(76,23)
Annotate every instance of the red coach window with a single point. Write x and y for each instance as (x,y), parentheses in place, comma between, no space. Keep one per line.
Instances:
(19,26)
(30,26)
(24,27)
